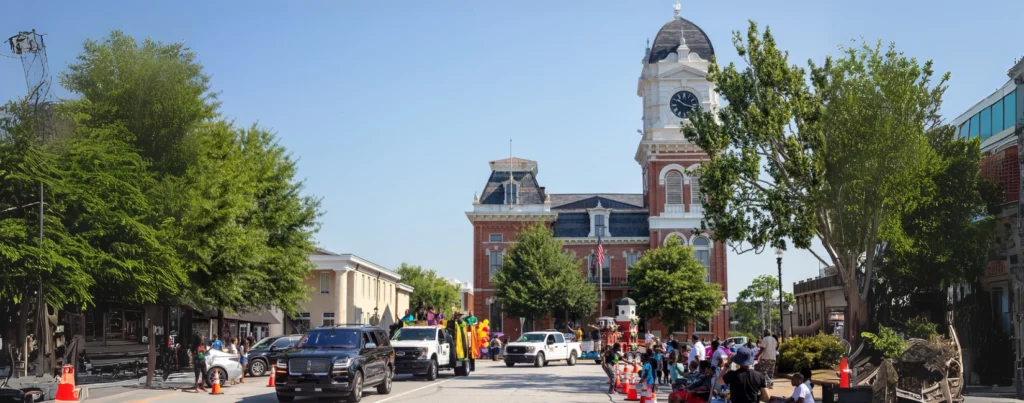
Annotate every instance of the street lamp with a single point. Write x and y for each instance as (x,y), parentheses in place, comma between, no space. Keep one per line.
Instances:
(725,308)
(782,324)
(791,327)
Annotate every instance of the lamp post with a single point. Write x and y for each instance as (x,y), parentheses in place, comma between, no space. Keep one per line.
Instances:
(725,309)
(782,324)
(791,327)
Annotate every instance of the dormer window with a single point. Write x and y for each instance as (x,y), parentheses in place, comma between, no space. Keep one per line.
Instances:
(599,223)
(599,220)
(512,193)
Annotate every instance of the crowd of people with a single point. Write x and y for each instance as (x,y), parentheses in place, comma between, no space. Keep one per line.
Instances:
(698,372)
(201,347)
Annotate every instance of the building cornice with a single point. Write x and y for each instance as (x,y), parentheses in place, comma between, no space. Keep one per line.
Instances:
(607,241)
(511,216)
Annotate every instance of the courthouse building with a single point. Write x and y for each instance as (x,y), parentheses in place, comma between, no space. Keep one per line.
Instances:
(672,82)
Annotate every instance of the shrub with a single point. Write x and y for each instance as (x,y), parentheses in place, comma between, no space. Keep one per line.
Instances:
(887,342)
(821,351)
(921,328)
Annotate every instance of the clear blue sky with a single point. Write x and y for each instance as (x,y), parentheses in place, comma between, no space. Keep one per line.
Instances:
(395,107)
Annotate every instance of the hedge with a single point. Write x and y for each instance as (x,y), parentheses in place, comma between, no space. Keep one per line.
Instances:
(820,351)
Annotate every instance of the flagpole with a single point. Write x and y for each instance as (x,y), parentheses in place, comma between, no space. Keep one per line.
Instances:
(600,276)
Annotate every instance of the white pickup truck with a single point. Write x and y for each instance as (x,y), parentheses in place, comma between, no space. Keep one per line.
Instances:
(423,350)
(540,348)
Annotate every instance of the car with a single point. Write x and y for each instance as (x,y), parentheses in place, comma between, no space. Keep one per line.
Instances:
(424,350)
(225,365)
(336,362)
(540,348)
(263,354)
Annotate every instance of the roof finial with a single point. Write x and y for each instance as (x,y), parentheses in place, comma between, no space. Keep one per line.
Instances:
(676,8)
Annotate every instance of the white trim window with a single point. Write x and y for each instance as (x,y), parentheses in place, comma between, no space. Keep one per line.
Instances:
(702,251)
(695,192)
(512,193)
(328,319)
(631,260)
(494,262)
(495,238)
(674,188)
(325,283)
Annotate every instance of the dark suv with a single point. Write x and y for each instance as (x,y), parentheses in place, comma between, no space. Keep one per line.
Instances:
(336,362)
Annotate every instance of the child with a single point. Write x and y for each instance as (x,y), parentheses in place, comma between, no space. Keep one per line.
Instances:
(801,393)
(659,365)
(647,374)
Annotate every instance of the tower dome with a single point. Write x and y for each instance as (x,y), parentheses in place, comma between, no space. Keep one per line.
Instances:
(675,33)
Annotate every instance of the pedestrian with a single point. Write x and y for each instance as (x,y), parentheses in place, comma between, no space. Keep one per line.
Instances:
(236,350)
(659,365)
(648,337)
(719,356)
(697,353)
(647,371)
(665,372)
(495,348)
(746,385)
(676,358)
(408,319)
(769,351)
(608,361)
(216,344)
(700,389)
(199,366)
(801,393)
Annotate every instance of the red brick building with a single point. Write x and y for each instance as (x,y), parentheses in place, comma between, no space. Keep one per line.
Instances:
(672,83)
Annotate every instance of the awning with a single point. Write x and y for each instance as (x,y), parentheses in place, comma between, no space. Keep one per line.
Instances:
(262,317)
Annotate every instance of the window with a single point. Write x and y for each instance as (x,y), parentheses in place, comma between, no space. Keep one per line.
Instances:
(495,261)
(975,126)
(325,283)
(1010,109)
(512,193)
(328,319)
(965,128)
(986,123)
(283,343)
(606,268)
(701,326)
(559,338)
(495,238)
(301,323)
(674,188)
(997,117)
(702,251)
(496,317)
(528,325)
(599,225)
(631,259)
(695,194)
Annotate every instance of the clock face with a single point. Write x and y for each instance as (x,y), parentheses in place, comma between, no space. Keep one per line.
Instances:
(682,103)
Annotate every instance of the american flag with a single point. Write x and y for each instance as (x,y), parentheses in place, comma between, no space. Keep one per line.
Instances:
(600,254)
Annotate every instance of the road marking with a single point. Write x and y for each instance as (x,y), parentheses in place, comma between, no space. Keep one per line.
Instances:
(416,390)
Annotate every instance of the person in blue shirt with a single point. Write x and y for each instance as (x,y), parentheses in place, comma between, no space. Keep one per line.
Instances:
(650,363)
(659,365)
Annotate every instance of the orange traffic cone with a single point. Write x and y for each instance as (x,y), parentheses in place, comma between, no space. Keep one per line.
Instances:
(632,397)
(618,380)
(66,391)
(270,381)
(216,384)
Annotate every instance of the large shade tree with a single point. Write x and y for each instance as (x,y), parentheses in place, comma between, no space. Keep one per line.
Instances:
(834,153)
(429,290)
(669,284)
(537,278)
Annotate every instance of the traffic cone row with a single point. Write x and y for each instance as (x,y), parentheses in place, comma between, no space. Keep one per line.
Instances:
(648,394)
(66,391)
(632,397)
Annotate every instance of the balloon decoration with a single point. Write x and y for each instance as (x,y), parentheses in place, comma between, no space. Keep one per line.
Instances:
(483,335)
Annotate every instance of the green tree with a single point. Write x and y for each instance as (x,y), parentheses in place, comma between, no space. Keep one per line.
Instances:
(668,283)
(429,290)
(761,299)
(537,278)
(837,155)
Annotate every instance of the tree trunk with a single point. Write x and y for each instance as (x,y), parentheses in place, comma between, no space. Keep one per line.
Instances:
(151,364)
(856,318)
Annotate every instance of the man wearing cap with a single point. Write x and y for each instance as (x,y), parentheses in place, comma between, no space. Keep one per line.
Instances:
(745,384)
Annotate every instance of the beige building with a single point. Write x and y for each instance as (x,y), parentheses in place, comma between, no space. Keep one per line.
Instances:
(465,294)
(820,305)
(347,289)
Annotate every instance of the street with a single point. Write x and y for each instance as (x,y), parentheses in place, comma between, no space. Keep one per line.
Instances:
(492,382)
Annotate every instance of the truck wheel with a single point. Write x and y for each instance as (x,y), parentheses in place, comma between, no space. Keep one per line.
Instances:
(459,371)
(357,388)
(510,364)
(257,368)
(384,388)
(598,362)
(432,370)
(572,359)
(539,361)
(285,399)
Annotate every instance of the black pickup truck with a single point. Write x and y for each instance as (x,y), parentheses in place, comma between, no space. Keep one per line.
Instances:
(336,362)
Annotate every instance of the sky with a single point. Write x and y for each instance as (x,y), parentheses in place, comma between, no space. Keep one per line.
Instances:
(394,108)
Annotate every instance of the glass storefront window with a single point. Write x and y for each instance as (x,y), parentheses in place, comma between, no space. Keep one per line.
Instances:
(997,117)
(975,126)
(986,123)
(1010,109)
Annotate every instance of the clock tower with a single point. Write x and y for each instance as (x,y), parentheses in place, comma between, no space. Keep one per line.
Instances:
(673,83)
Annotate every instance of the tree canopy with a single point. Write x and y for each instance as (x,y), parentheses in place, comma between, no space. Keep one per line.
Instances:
(837,154)
(429,290)
(757,306)
(537,278)
(668,283)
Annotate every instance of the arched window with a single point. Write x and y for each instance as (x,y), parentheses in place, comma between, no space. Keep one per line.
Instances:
(695,192)
(606,269)
(674,188)
(702,251)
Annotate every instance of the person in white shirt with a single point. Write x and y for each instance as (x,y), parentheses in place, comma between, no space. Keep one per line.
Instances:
(801,393)
(769,351)
(697,353)
(648,337)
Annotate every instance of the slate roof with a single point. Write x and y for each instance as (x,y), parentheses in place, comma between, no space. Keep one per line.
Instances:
(577,225)
(670,37)
(578,201)
(529,191)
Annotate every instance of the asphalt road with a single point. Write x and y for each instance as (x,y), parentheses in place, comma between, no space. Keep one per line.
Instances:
(492,382)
